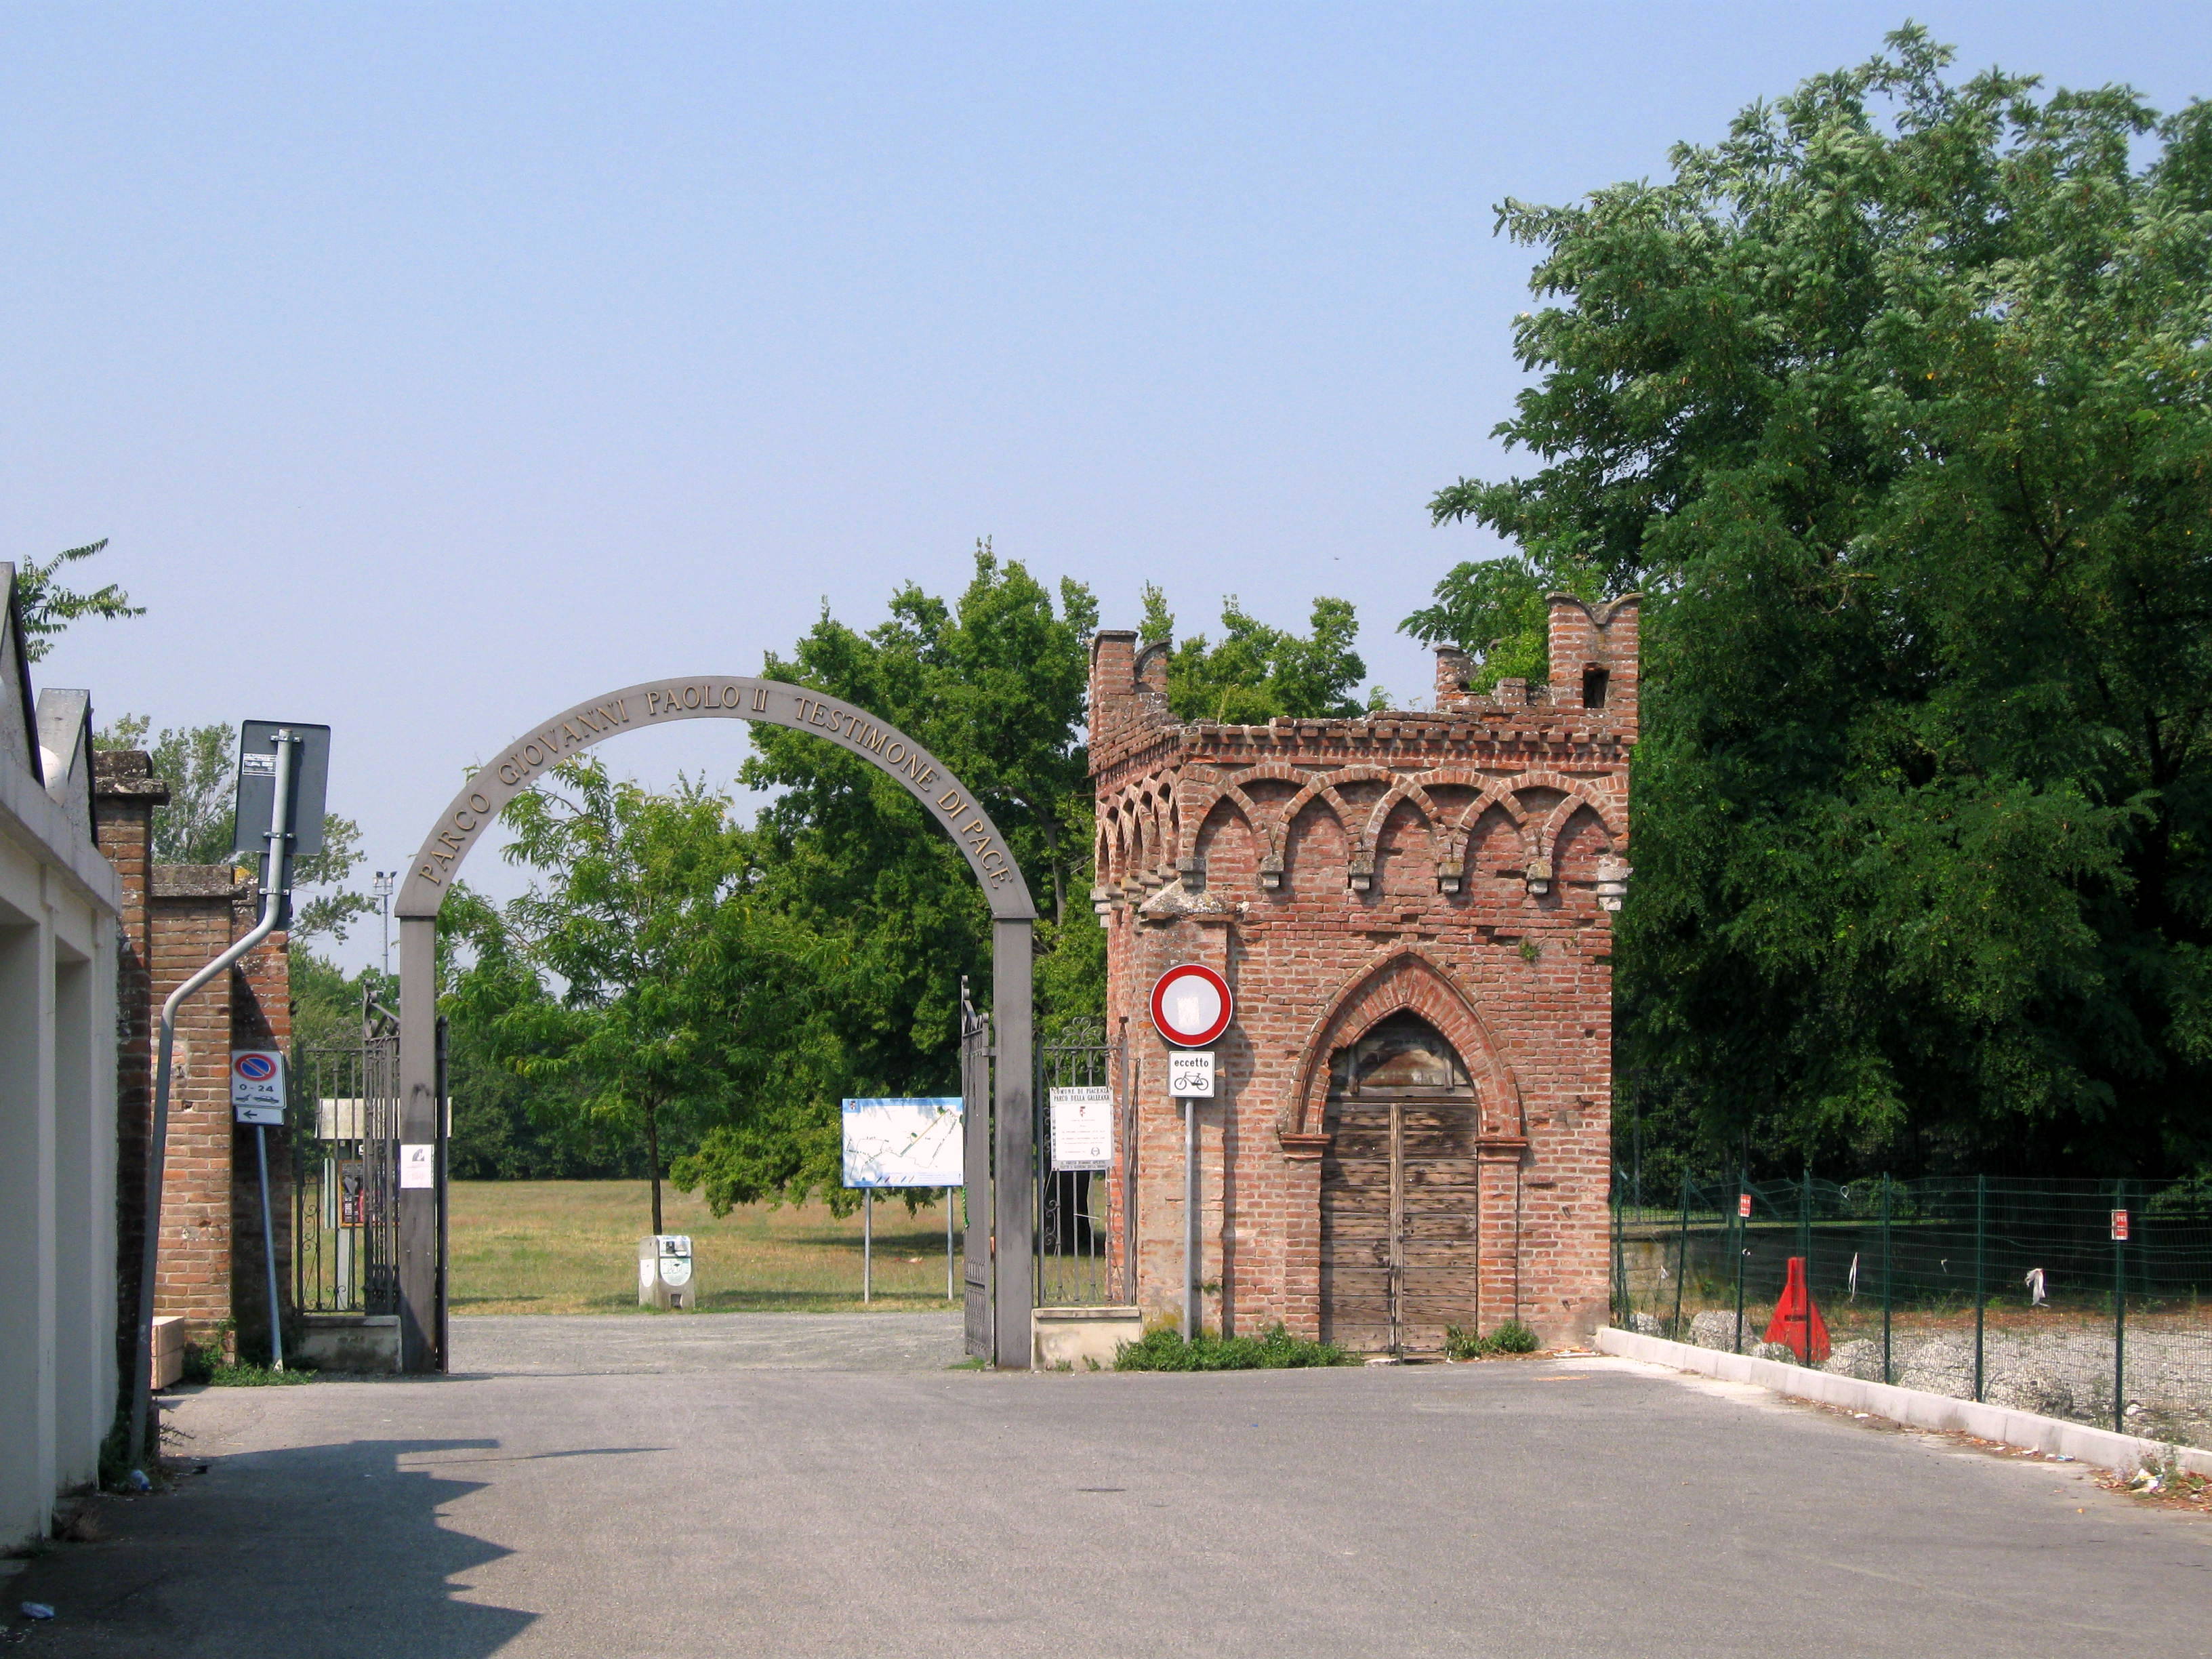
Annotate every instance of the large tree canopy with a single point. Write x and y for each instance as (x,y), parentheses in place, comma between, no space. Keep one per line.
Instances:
(1893,402)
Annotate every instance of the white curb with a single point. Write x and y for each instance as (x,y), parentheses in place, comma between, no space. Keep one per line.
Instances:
(2124,1452)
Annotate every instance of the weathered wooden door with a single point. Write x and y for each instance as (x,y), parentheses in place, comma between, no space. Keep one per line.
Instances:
(1399,1241)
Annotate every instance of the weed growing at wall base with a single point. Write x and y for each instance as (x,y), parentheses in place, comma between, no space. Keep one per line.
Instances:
(1162,1349)
(1511,1337)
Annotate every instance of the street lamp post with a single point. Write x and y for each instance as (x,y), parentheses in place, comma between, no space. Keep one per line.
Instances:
(382,888)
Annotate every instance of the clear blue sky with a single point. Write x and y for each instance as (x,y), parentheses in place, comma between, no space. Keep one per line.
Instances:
(434,366)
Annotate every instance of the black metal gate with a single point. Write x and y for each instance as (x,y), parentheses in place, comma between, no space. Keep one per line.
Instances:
(346,1149)
(1075,1208)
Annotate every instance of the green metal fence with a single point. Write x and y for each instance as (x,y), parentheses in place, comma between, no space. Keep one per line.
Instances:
(2079,1299)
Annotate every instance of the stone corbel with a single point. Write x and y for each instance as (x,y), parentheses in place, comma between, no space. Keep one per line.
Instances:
(1361,874)
(1450,871)
(1176,903)
(1540,877)
(1612,882)
(1271,871)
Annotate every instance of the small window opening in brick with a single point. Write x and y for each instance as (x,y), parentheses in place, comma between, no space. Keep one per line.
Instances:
(1594,681)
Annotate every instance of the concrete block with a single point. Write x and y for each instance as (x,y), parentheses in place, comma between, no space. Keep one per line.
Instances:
(1076,1336)
(349,1342)
(169,1350)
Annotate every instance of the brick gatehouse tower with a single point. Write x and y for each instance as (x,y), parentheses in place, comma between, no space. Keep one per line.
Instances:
(1411,1125)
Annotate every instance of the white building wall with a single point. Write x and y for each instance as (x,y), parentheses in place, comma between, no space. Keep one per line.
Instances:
(58,902)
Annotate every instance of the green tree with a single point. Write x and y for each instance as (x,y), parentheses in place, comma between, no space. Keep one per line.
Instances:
(1499,609)
(49,607)
(995,687)
(625,914)
(1893,402)
(508,1126)
(1255,672)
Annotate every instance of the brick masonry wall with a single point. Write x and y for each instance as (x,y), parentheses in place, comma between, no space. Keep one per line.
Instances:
(188,928)
(124,794)
(1335,872)
(176,918)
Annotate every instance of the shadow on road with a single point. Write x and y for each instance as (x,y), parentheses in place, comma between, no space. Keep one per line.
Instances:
(333,1549)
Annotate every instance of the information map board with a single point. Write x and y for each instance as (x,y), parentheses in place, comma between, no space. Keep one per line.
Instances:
(910,1141)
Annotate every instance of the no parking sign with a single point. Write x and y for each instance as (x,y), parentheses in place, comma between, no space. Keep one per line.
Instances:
(257,1085)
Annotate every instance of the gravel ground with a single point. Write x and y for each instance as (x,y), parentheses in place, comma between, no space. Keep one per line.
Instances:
(575,1345)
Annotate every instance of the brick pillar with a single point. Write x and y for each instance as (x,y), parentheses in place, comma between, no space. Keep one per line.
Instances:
(177,918)
(1113,679)
(126,792)
(1301,1226)
(190,914)
(1499,1294)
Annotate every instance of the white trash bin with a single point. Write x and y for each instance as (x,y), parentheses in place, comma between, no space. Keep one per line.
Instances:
(664,1271)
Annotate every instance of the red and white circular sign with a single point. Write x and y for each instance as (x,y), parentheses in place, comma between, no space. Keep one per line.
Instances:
(1191,1006)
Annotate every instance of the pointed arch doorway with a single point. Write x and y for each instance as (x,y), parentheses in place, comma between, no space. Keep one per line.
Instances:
(1001,1218)
(1400,1255)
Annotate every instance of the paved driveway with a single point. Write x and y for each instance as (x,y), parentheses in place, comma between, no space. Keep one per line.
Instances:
(638,1497)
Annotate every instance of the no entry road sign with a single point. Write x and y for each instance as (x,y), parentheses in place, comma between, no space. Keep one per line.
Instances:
(1191,1006)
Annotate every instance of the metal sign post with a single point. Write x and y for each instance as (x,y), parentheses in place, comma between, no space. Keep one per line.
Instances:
(1190,1079)
(257,1097)
(1191,1008)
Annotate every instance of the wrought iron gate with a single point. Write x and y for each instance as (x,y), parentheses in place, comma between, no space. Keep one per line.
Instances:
(346,1148)
(1075,1207)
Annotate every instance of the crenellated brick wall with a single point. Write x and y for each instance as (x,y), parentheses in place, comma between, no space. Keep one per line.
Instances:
(177,918)
(1458,864)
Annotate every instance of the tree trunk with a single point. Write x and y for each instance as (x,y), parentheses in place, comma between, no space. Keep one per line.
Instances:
(652,1159)
(1051,833)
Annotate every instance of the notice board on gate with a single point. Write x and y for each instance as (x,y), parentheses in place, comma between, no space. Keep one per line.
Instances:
(1082,1129)
(908,1140)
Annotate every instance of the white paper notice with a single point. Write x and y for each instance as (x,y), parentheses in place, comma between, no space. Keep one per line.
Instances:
(1082,1128)
(418,1164)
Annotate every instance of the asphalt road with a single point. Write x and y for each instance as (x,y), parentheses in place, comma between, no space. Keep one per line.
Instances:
(640,1497)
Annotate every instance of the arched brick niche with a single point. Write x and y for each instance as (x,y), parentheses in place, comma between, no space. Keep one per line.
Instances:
(1407,981)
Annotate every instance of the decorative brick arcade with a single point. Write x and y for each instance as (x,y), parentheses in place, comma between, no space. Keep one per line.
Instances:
(1459,866)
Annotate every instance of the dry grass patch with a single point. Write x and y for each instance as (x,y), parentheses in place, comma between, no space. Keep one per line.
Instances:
(571,1247)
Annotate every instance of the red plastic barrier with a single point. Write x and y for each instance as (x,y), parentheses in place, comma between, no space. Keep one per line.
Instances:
(1797,1324)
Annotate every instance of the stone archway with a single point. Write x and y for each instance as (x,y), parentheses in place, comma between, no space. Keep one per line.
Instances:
(947,799)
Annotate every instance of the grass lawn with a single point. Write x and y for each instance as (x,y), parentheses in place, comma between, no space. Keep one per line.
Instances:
(571,1247)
